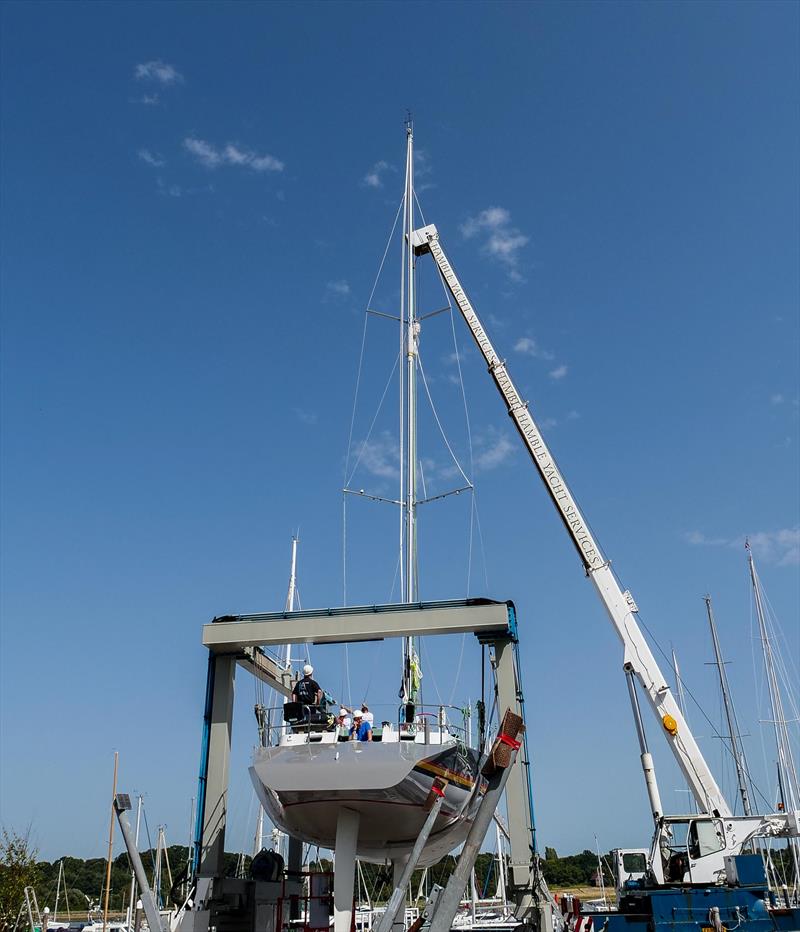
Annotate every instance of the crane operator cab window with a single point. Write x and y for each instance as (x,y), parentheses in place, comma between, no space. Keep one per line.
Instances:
(686,841)
(634,862)
(706,836)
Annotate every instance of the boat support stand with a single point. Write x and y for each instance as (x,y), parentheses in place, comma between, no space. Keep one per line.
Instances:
(395,904)
(122,802)
(450,898)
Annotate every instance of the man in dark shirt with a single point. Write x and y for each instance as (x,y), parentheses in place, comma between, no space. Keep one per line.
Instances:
(307,690)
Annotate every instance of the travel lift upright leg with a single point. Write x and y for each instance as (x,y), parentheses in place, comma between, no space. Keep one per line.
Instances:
(527,890)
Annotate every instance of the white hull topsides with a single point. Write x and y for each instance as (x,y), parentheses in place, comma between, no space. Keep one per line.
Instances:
(303,784)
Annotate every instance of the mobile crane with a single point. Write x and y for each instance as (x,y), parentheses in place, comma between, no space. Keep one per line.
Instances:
(715,835)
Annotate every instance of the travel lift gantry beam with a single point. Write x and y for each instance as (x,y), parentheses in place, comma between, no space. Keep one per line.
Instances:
(233,639)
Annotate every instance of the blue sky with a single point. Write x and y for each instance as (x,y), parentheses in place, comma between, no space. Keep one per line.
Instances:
(196,199)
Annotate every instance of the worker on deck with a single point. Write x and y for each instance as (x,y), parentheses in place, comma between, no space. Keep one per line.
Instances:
(368,716)
(343,720)
(361,730)
(307,690)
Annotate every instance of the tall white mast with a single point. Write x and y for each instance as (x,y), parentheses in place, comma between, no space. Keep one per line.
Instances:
(786,765)
(679,694)
(730,714)
(411,328)
(410,333)
(291,595)
(292,591)
(787,773)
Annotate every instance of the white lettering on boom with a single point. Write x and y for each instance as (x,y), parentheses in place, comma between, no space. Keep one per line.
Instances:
(525,423)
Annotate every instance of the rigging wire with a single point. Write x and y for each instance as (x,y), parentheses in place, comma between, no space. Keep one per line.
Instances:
(439,423)
(365,442)
(149,839)
(357,390)
(430,668)
(364,333)
(696,702)
(348,480)
(757,679)
(458,669)
(457,357)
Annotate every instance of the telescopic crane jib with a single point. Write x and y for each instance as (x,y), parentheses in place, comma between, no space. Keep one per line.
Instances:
(619,603)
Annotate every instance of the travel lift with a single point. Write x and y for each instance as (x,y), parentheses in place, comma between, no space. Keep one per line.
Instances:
(226,903)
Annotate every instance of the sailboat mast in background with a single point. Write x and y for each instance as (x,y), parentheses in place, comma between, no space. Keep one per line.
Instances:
(730,714)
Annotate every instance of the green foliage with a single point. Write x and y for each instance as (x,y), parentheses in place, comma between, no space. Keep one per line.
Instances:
(18,869)
(85,879)
(575,870)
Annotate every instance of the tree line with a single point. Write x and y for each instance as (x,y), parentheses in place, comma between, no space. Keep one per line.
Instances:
(83,883)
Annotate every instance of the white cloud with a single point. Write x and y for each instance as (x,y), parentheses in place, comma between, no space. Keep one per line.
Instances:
(266,163)
(374,177)
(559,372)
(529,347)
(209,156)
(781,547)
(158,71)
(381,456)
(422,163)
(307,417)
(423,169)
(171,190)
(151,158)
(234,155)
(502,240)
(492,450)
(203,152)
(698,539)
(492,218)
(777,399)
(340,288)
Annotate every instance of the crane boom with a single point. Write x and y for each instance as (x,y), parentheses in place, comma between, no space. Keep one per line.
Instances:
(620,605)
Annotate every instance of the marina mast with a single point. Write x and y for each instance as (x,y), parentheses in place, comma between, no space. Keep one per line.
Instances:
(787,772)
(730,713)
(409,334)
(786,766)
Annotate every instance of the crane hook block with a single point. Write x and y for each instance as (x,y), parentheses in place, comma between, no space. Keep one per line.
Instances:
(670,725)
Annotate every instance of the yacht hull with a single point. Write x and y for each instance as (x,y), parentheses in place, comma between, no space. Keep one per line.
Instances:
(303,787)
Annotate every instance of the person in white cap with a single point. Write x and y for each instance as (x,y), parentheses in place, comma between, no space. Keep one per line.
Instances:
(343,720)
(361,730)
(307,690)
